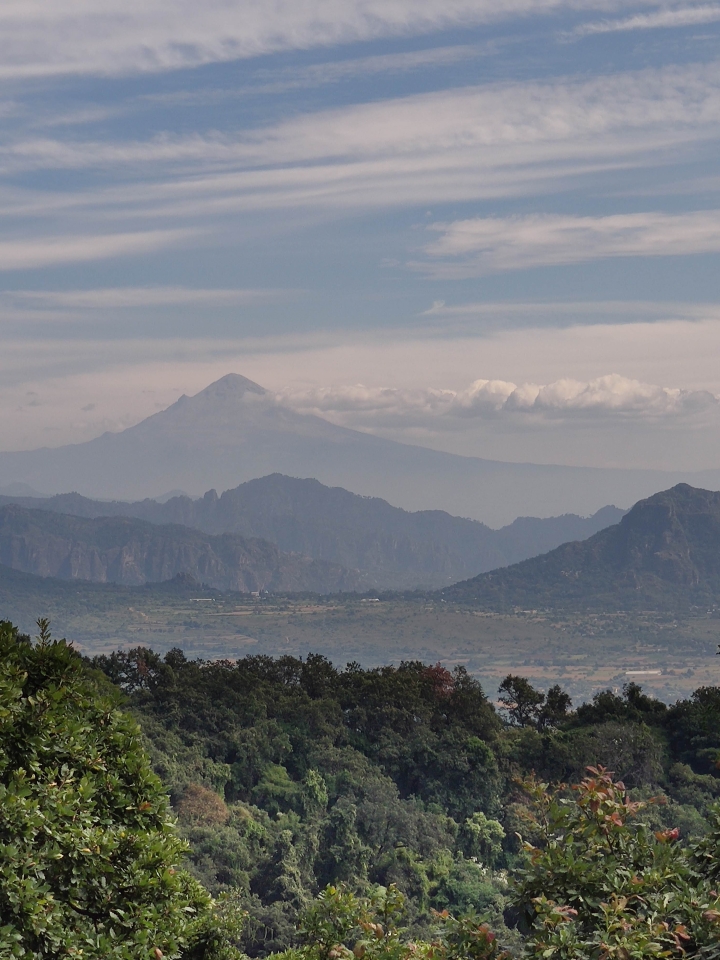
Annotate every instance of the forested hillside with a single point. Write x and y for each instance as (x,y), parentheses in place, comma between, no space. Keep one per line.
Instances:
(287,775)
(339,814)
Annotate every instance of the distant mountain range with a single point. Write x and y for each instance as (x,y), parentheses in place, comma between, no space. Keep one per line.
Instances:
(133,552)
(663,554)
(235,430)
(378,545)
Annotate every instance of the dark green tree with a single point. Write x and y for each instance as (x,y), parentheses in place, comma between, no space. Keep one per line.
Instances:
(555,709)
(522,702)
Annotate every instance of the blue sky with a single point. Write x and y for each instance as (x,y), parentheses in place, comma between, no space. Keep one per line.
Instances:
(489,228)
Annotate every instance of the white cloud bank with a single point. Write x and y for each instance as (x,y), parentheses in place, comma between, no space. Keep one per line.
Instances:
(610,396)
(38,38)
(484,245)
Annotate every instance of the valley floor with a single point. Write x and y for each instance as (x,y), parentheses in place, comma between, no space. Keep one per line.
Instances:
(668,658)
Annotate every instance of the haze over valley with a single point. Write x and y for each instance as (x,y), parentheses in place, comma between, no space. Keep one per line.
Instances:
(279,537)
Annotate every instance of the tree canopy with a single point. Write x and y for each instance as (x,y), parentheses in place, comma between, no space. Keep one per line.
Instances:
(347,814)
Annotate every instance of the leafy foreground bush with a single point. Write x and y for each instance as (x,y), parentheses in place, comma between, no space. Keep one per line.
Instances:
(88,852)
(599,884)
(342,926)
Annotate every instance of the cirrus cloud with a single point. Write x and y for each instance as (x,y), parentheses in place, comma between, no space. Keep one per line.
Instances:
(146,296)
(38,38)
(49,251)
(484,245)
(667,18)
(507,124)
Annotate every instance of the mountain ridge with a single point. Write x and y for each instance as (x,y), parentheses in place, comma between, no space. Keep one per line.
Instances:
(664,553)
(235,431)
(133,552)
(393,548)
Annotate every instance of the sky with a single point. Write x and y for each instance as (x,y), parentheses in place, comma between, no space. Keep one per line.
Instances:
(490,228)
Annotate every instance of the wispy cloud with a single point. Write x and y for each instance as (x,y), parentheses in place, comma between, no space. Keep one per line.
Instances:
(484,245)
(73,118)
(681,17)
(485,317)
(336,71)
(114,37)
(516,117)
(611,396)
(145,297)
(284,79)
(42,252)
(497,140)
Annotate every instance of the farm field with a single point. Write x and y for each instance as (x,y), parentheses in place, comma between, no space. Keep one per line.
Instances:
(670,658)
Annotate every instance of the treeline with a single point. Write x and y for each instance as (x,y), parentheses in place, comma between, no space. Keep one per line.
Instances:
(288,775)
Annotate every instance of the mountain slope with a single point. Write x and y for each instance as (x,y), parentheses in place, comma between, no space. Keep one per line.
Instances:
(664,553)
(234,431)
(129,551)
(393,548)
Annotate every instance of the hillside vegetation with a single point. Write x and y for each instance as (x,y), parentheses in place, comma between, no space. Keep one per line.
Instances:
(346,814)
(290,774)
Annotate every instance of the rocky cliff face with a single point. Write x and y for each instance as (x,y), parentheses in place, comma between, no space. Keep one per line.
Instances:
(665,552)
(133,552)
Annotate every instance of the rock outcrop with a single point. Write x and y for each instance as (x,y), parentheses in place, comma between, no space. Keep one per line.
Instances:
(130,551)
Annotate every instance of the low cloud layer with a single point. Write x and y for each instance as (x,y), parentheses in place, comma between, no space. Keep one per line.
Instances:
(611,396)
(47,387)
(485,245)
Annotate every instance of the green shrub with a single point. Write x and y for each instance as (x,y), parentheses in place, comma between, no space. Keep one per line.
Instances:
(599,883)
(88,852)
